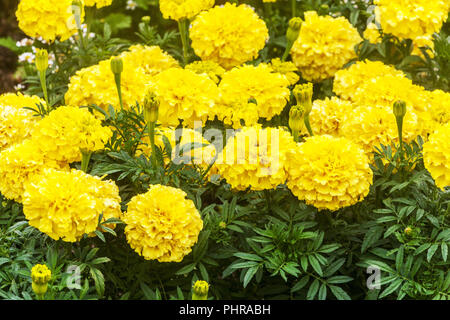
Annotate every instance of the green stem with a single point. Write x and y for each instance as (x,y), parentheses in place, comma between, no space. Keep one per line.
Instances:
(82,43)
(287,50)
(182,27)
(119,89)
(400,134)
(151,134)
(308,125)
(294,8)
(295,133)
(44,86)
(85,158)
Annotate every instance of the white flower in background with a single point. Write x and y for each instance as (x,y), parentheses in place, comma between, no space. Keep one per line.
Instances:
(27,57)
(19,87)
(131,5)
(25,42)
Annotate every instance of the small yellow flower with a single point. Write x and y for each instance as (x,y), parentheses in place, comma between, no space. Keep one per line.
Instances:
(40,276)
(200,290)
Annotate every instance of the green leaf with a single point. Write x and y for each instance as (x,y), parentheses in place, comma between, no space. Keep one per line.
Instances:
(249,275)
(339,279)
(313,290)
(444,251)
(339,293)
(248,256)
(431,251)
(392,287)
(186,269)
(315,264)
(322,292)
(300,284)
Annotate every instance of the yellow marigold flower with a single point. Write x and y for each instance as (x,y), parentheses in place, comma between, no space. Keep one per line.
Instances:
(255,158)
(200,290)
(242,84)
(347,81)
(67,204)
(409,19)
(436,156)
(40,276)
(210,68)
(162,224)
(327,116)
(286,68)
(372,33)
(18,100)
(229,42)
(439,110)
(15,125)
(324,46)
(47,19)
(371,126)
(200,155)
(183,9)
(67,130)
(184,95)
(385,90)
(328,172)
(151,58)
(19,164)
(95,84)
(98,3)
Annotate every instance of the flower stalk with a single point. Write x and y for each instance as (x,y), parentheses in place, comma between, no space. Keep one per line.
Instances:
(151,108)
(117,69)
(399,110)
(292,35)
(42,66)
(183,29)
(85,159)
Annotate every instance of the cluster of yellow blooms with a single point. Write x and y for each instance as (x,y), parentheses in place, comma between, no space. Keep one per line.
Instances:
(67,204)
(48,19)
(67,130)
(409,19)
(436,156)
(184,95)
(268,89)
(163,230)
(285,68)
(95,84)
(18,100)
(323,46)
(255,158)
(228,42)
(183,9)
(328,172)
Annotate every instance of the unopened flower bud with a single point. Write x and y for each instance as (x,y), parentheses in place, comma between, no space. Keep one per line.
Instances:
(222,224)
(151,107)
(408,230)
(116,65)
(296,121)
(41,60)
(40,276)
(399,108)
(145,19)
(303,94)
(200,290)
(293,29)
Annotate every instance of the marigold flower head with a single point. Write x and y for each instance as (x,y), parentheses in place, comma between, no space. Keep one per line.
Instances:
(67,204)
(183,9)
(436,156)
(213,70)
(18,100)
(162,224)
(439,110)
(328,172)
(95,84)
(324,46)
(200,290)
(286,68)
(371,126)
(423,42)
(347,81)
(40,274)
(19,164)
(184,95)
(47,19)
(228,42)
(242,84)
(67,130)
(15,125)
(409,19)
(98,3)
(328,115)
(255,158)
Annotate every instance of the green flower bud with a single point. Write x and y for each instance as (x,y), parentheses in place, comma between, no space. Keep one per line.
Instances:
(296,115)
(222,224)
(151,107)
(303,94)
(200,290)
(145,19)
(408,230)
(116,65)
(293,29)
(399,108)
(41,60)
(40,276)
